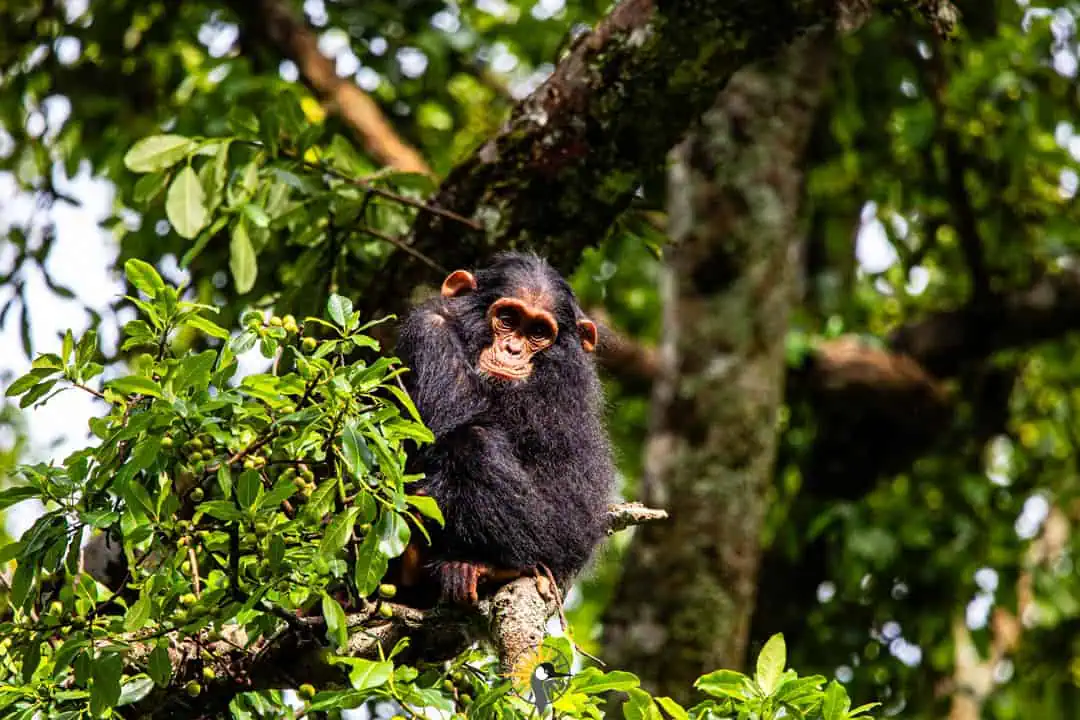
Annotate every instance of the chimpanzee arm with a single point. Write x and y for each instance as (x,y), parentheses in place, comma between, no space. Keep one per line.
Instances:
(441,382)
(497,518)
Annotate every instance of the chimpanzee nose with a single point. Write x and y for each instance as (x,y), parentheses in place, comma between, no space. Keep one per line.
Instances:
(515,346)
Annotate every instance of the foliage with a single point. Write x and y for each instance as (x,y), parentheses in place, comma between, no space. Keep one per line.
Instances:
(281,215)
(243,500)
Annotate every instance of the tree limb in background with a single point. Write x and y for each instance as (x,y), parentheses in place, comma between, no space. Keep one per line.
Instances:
(728,285)
(898,391)
(276,24)
(573,154)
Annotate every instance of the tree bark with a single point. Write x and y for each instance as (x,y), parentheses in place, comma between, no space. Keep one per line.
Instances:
(684,604)
(574,153)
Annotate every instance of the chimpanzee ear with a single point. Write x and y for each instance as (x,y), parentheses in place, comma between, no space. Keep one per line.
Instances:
(459,282)
(587,332)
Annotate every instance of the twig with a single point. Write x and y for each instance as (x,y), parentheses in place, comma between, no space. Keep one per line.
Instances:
(90,390)
(405,247)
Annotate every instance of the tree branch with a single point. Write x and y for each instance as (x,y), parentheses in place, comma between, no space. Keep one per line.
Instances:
(275,23)
(574,153)
(513,620)
(919,354)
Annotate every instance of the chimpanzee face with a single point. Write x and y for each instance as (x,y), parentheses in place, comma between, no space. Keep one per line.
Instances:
(523,322)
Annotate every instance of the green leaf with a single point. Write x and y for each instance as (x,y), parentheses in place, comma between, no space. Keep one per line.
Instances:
(134,690)
(68,346)
(640,706)
(427,507)
(336,631)
(36,393)
(770,664)
(148,186)
(836,702)
(27,381)
(136,385)
(723,684)
(160,666)
(206,326)
(16,495)
(393,533)
(137,498)
(354,450)
(225,482)
(592,681)
(138,614)
(256,215)
(67,653)
(370,567)
(185,204)
(31,660)
(248,489)
(863,709)
(283,489)
(242,261)
(366,674)
(105,688)
(222,510)
(339,309)
(143,276)
(672,709)
(216,173)
(157,153)
(338,532)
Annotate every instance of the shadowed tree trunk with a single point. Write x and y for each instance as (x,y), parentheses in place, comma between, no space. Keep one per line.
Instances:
(684,604)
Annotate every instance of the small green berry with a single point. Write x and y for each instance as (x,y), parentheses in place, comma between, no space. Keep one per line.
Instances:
(208,674)
(306,691)
(308,344)
(387,590)
(188,599)
(289,323)
(198,495)
(386,611)
(275,321)
(193,688)
(167,441)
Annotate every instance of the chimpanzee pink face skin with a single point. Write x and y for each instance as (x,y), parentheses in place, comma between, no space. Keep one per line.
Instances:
(522,326)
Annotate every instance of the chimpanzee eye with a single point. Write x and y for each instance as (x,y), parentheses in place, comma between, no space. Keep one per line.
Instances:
(539,331)
(507,317)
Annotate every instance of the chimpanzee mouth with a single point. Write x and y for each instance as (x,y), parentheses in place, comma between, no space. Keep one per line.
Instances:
(505,373)
(491,366)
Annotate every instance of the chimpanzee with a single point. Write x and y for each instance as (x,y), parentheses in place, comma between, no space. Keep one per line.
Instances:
(521,466)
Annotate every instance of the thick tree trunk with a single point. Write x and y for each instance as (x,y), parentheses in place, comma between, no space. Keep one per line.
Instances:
(684,605)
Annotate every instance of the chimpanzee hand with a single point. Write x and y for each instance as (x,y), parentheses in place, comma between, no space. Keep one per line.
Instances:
(460,581)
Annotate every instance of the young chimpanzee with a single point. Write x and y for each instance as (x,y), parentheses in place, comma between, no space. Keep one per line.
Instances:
(521,465)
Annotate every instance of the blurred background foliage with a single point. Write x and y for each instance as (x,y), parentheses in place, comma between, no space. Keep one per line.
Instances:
(940,175)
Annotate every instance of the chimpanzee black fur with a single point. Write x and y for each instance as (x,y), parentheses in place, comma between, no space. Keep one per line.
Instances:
(522,470)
